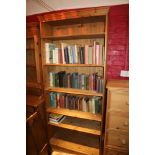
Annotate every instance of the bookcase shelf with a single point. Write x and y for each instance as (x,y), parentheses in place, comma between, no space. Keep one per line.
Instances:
(74,91)
(75,65)
(65,37)
(73,49)
(75,142)
(75,113)
(81,125)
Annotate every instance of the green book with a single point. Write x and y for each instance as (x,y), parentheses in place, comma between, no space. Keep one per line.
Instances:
(103,49)
(90,55)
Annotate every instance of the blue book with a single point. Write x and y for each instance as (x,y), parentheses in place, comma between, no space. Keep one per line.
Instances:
(52,97)
(73,54)
(66,55)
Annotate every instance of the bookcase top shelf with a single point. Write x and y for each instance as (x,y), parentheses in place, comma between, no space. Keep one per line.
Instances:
(80,36)
(75,65)
(73,14)
(74,91)
(75,113)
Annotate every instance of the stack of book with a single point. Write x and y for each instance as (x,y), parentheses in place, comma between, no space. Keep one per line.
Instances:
(75,80)
(78,102)
(73,54)
(56,118)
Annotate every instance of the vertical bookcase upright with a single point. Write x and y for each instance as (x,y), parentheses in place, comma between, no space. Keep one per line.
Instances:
(33,58)
(74,51)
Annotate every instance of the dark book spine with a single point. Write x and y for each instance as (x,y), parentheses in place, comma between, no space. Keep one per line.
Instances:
(56,80)
(83,55)
(66,55)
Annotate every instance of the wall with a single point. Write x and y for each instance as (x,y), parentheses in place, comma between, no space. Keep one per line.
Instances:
(118,41)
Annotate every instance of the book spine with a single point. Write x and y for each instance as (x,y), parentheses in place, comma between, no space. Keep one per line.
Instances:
(63,55)
(103,57)
(73,54)
(47,52)
(94,50)
(97,54)
(90,57)
(76,54)
(86,54)
(52,100)
(51,79)
(56,56)
(100,55)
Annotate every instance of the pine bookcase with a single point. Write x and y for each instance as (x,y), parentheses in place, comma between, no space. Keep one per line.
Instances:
(81,132)
(33,57)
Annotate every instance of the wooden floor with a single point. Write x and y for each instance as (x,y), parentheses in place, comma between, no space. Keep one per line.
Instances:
(60,153)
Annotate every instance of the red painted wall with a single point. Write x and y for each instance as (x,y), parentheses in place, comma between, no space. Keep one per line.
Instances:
(118,41)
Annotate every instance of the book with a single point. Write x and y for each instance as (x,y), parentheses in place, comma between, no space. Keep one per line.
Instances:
(97,48)
(56,118)
(94,52)
(73,54)
(86,54)
(63,45)
(90,57)
(47,53)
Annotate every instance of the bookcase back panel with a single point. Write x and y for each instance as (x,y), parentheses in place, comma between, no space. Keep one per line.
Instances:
(89,28)
(71,42)
(77,137)
(80,70)
(80,42)
(89,25)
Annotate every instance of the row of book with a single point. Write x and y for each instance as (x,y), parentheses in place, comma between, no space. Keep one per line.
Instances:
(82,103)
(74,54)
(75,80)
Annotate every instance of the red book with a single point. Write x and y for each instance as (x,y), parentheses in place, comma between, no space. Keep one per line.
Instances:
(97,54)
(60,56)
(94,49)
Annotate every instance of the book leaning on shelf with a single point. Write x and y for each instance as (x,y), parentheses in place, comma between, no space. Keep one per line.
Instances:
(56,118)
(74,54)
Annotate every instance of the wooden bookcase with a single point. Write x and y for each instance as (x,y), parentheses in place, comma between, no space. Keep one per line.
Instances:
(81,132)
(33,57)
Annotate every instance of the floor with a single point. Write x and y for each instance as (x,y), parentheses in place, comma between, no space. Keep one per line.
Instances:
(61,153)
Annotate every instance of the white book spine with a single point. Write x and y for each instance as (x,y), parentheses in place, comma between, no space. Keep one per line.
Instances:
(93,105)
(51,79)
(47,52)
(76,54)
(56,55)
